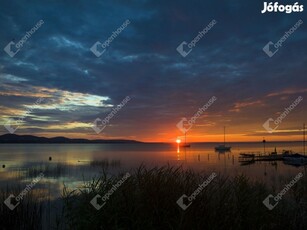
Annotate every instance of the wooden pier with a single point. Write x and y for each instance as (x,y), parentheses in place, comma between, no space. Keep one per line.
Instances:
(251,157)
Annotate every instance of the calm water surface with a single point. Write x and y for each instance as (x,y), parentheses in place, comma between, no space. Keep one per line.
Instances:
(73,164)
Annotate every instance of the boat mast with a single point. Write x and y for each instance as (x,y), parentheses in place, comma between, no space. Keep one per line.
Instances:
(224,136)
(304,137)
(185,138)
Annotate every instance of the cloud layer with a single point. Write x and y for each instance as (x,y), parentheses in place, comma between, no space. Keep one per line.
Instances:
(56,63)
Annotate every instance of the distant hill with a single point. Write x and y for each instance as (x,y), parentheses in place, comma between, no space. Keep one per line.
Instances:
(13,138)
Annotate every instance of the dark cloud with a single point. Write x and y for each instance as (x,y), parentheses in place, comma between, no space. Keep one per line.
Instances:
(142,62)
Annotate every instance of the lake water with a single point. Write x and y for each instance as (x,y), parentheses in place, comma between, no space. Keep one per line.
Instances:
(73,164)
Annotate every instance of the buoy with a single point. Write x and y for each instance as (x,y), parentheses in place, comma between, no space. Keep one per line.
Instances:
(50,158)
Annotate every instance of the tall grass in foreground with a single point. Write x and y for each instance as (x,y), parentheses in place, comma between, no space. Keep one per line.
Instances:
(26,216)
(147,200)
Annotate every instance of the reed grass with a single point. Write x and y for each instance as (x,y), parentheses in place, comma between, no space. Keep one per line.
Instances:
(26,216)
(147,200)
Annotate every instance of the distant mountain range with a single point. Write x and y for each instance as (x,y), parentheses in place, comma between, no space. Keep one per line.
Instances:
(13,138)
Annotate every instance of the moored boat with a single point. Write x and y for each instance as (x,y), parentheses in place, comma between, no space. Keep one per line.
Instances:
(223,148)
(185,145)
(296,157)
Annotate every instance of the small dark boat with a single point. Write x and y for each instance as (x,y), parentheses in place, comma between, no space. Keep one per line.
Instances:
(296,164)
(248,162)
(185,145)
(247,154)
(296,157)
(223,148)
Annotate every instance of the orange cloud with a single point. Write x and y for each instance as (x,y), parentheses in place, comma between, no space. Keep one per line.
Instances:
(287,92)
(239,105)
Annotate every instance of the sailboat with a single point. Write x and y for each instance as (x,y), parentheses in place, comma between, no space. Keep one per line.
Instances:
(297,159)
(185,145)
(223,148)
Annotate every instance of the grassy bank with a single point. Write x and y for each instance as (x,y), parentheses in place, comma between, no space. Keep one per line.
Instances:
(26,216)
(147,200)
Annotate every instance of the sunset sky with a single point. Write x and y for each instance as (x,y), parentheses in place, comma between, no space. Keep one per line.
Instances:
(142,62)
